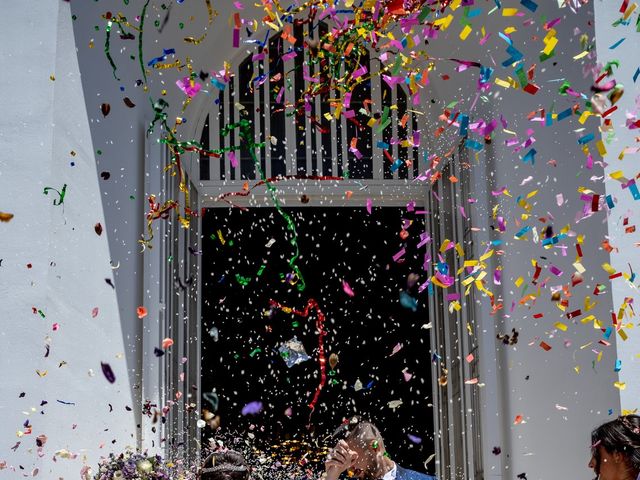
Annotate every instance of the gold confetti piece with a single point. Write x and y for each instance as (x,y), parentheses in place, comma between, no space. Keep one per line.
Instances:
(561,326)
(620,385)
(42,374)
(52,78)
(6,217)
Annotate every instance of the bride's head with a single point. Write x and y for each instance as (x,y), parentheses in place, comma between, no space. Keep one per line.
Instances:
(615,449)
(225,465)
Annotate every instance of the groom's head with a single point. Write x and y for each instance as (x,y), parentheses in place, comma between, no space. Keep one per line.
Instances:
(365,440)
(225,465)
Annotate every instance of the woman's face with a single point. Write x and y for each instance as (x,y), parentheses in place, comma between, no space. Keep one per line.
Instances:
(605,465)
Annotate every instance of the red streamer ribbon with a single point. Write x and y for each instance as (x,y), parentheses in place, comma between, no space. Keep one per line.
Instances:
(322,360)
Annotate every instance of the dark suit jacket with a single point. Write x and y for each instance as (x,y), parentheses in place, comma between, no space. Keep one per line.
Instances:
(404,474)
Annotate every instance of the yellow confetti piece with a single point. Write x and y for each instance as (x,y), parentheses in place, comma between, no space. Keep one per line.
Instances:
(509,12)
(550,46)
(455,305)
(579,267)
(599,357)
(601,148)
(444,245)
(510,30)
(577,369)
(620,385)
(487,255)
(629,11)
(502,83)
(459,250)
(623,335)
(519,281)
(444,23)
(581,55)
(584,116)
(561,326)
(455,5)
(336,114)
(465,32)
(608,268)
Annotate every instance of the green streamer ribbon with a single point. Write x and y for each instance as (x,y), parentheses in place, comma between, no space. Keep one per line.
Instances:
(144,11)
(107,50)
(60,200)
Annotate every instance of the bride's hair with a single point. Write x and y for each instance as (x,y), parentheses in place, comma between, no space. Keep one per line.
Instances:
(621,435)
(225,465)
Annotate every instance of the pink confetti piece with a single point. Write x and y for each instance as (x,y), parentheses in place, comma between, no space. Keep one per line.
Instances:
(555,270)
(236,38)
(396,349)
(407,376)
(347,288)
(369,205)
(233,159)
(191,88)
(399,255)
(469,358)
(94,312)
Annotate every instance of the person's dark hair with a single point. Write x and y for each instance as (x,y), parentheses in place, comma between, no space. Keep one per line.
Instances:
(621,435)
(225,465)
(356,428)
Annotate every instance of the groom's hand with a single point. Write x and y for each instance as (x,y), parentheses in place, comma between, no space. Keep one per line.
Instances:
(339,460)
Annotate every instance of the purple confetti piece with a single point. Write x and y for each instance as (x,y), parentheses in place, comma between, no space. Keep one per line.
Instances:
(252,408)
(414,439)
(108,372)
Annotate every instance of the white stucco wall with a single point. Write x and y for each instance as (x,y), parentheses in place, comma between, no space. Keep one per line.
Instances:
(42,122)
(627,252)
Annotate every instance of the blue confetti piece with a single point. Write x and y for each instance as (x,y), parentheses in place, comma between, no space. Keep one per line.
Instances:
(633,188)
(505,38)
(396,165)
(464,125)
(218,84)
(618,366)
(529,4)
(485,74)
(607,333)
(548,120)
(615,45)
(474,13)
(381,144)
(610,203)
(473,144)
(564,114)
(586,139)
(530,157)
(522,232)
(498,4)
(635,75)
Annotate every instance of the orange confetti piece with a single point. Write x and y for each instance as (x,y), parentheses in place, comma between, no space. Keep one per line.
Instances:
(518,420)
(166,343)
(141,312)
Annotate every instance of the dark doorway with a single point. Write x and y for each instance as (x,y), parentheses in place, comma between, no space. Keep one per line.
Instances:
(243,269)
